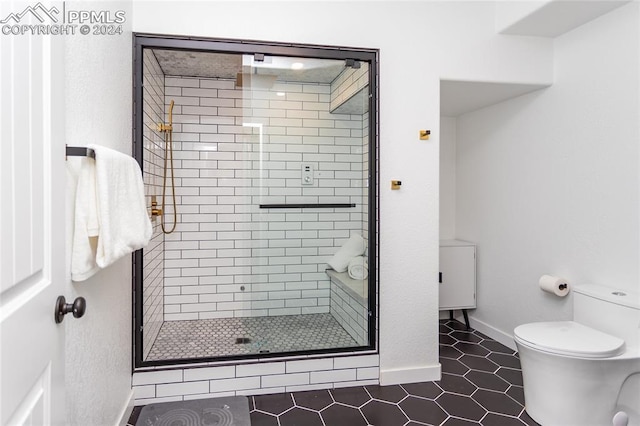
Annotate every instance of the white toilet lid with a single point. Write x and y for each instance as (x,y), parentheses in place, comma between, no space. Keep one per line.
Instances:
(569,338)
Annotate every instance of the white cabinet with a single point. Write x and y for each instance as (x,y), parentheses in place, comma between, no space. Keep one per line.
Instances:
(457,275)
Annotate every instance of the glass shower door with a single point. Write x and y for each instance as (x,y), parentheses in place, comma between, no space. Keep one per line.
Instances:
(306,136)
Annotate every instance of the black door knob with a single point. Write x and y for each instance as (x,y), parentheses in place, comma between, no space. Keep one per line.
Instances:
(78,308)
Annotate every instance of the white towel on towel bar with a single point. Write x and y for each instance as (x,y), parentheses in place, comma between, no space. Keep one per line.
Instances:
(358,268)
(113,204)
(85,222)
(354,246)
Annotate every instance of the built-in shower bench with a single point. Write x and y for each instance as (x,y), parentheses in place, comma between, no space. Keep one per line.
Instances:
(349,304)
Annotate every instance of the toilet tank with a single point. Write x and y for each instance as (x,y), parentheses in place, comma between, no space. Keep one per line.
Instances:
(613,311)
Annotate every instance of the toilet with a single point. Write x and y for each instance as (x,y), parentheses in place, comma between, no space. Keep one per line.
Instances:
(586,371)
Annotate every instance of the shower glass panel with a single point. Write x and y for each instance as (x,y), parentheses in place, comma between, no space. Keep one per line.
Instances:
(271,171)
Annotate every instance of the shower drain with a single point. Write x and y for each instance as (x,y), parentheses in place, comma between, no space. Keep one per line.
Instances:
(241,340)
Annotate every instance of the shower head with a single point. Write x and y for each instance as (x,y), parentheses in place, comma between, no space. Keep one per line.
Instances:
(162,127)
(171,113)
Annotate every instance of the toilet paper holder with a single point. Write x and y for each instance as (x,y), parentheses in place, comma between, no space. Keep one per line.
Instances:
(554,285)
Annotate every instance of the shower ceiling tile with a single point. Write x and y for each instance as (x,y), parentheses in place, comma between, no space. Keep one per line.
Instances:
(227,66)
(198,64)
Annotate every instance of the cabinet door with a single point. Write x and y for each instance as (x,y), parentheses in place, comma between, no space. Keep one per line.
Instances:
(458,269)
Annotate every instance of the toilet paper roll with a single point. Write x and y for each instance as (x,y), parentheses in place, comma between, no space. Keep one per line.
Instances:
(554,285)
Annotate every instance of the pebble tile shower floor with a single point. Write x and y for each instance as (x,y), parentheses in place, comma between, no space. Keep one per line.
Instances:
(481,385)
(217,337)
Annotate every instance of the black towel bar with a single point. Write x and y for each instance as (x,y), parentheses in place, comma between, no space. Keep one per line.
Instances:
(80,151)
(307,206)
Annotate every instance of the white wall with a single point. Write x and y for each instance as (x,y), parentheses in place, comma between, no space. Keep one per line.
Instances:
(448,178)
(548,182)
(98,110)
(509,13)
(419,42)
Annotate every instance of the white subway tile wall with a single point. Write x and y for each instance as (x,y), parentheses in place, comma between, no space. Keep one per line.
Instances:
(237,149)
(255,378)
(350,313)
(348,83)
(153,145)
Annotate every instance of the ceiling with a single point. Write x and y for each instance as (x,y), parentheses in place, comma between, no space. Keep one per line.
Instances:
(460,97)
(551,18)
(227,66)
(539,18)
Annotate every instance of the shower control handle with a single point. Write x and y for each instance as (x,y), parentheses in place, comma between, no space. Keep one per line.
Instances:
(307,174)
(78,308)
(154,210)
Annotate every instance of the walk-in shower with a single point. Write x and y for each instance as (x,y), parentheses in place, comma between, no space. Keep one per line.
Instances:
(274,170)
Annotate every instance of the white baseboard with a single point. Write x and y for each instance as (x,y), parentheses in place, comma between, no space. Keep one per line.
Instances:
(126,411)
(410,375)
(497,335)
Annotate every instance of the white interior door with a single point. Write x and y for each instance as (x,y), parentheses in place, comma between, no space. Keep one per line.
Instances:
(32,244)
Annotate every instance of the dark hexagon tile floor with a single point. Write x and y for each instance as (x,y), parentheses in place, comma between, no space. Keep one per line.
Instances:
(481,385)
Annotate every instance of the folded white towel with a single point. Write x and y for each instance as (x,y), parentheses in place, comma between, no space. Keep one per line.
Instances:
(85,223)
(124,223)
(109,206)
(354,246)
(358,268)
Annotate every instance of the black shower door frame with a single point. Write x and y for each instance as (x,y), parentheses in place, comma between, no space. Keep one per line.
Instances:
(142,41)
